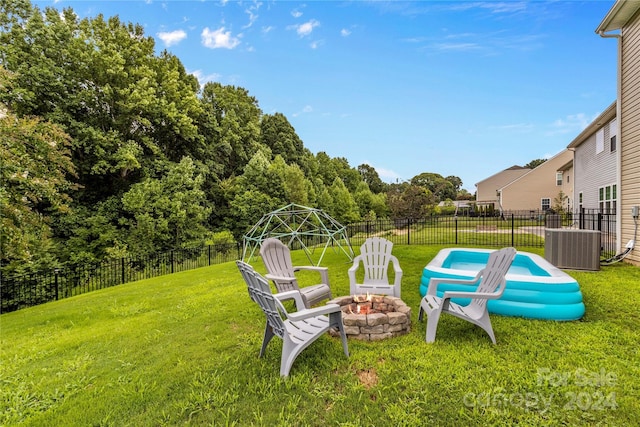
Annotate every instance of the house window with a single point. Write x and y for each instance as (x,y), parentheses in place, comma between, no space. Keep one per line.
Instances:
(580,200)
(600,141)
(607,199)
(567,179)
(546,204)
(558,178)
(613,134)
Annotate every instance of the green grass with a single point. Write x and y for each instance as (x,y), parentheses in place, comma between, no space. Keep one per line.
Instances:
(182,350)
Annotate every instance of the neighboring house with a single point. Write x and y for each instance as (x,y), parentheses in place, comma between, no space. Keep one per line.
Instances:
(541,188)
(595,171)
(487,189)
(624,19)
(462,206)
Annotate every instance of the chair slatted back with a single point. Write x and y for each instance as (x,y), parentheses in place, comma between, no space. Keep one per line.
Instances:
(376,256)
(277,259)
(494,273)
(260,292)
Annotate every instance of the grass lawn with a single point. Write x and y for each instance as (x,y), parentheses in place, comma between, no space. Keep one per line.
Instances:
(183,349)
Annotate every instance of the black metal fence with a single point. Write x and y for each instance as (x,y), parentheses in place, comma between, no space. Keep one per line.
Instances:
(517,229)
(28,290)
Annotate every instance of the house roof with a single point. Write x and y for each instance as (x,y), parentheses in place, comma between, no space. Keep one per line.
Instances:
(512,168)
(606,116)
(619,14)
(566,166)
(540,166)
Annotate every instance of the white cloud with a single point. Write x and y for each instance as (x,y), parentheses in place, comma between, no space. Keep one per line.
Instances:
(572,123)
(219,39)
(305,110)
(296,13)
(345,33)
(172,37)
(252,12)
(205,78)
(306,28)
(516,127)
(316,44)
(387,175)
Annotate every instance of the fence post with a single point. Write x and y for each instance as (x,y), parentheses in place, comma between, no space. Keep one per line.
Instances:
(455,219)
(171,262)
(408,231)
(122,270)
(513,226)
(56,282)
(600,221)
(209,247)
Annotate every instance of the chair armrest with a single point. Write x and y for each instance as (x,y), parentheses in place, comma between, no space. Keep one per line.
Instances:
(352,270)
(279,278)
(294,295)
(324,271)
(435,281)
(314,312)
(478,295)
(397,270)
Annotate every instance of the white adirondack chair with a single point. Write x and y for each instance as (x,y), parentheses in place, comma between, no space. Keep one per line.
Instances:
(297,330)
(277,259)
(375,257)
(492,285)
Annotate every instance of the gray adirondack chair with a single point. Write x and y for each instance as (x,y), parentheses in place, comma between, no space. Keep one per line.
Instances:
(277,259)
(375,257)
(492,285)
(297,330)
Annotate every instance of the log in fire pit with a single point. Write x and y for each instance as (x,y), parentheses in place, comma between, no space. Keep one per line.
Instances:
(373,317)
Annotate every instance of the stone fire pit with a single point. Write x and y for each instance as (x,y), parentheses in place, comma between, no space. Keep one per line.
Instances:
(380,318)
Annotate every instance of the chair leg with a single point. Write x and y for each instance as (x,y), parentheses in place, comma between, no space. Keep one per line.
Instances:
(268,334)
(485,323)
(335,319)
(432,324)
(289,353)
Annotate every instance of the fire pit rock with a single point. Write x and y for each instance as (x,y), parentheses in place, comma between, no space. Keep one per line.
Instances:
(378,318)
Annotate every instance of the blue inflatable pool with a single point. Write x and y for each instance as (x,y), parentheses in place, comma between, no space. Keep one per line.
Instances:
(535,288)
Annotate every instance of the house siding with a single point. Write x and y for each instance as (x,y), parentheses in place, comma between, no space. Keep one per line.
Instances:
(594,170)
(630,131)
(486,189)
(527,192)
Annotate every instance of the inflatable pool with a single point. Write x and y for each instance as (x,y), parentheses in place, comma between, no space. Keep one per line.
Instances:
(535,288)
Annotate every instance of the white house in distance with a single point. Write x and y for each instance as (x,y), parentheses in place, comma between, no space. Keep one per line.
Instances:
(524,189)
(595,151)
(622,23)
(487,189)
(541,188)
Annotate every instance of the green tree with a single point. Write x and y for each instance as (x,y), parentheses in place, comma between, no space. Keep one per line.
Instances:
(371,177)
(409,201)
(440,188)
(168,212)
(35,182)
(344,208)
(231,128)
(455,181)
(277,133)
(535,163)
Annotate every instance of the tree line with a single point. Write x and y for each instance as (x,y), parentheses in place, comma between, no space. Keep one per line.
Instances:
(110,150)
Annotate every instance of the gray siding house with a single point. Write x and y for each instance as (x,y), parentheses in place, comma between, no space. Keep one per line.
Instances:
(595,182)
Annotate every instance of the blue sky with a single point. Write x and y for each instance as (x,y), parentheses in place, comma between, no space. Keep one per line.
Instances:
(463,88)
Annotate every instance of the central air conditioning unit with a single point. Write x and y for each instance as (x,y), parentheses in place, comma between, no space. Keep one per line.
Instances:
(573,249)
